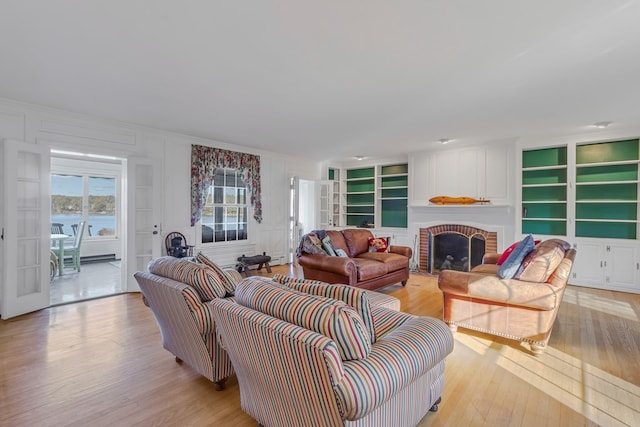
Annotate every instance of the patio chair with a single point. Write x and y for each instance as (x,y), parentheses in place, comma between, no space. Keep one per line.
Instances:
(72,250)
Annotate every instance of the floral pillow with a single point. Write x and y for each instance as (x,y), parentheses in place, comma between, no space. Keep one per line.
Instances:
(378,244)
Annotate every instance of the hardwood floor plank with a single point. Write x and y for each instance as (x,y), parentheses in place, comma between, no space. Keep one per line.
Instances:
(101,363)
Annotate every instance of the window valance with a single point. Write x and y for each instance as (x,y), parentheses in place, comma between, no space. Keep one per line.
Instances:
(205,161)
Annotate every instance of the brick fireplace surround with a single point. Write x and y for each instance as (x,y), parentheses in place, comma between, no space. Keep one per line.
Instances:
(490,238)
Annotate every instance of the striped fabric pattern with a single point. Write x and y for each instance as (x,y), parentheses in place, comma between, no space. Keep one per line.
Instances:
(205,282)
(229,281)
(409,405)
(385,320)
(175,306)
(329,317)
(395,361)
(286,373)
(379,299)
(355,297)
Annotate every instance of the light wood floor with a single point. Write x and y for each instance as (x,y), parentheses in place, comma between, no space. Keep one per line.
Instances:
(101,363)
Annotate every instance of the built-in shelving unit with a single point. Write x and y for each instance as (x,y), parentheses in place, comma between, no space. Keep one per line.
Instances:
(393,188)
(607,190)
(360,196)
(544,191)
(334,177)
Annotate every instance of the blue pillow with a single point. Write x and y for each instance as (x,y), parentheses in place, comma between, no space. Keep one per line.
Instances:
(510,266)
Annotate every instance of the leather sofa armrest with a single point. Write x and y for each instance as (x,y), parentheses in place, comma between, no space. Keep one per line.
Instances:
(333,264)
(401,250)
(490,258)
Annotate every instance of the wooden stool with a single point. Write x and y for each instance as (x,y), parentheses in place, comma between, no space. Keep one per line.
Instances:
(244,262)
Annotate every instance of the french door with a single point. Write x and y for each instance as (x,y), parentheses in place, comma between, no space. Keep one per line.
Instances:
(25,228)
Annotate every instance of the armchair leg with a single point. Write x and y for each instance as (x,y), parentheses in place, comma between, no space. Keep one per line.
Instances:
(434,407)
(404,282)
(178,360)
(219,385)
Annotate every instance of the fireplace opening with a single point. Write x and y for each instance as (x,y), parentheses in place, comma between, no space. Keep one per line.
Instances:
(455,251)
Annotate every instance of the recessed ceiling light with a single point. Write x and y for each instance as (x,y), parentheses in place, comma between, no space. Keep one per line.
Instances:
(444,141)
(359,157)
(602,125)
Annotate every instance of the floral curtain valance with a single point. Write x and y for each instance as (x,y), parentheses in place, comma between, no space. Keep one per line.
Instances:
(205,161)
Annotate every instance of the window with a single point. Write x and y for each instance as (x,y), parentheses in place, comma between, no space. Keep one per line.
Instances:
(83,197)
(224,215)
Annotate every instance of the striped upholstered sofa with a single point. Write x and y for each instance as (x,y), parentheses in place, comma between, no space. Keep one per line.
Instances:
(313,354)
(177,291)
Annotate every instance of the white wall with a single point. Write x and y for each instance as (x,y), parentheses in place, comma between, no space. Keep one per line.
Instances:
(75,132)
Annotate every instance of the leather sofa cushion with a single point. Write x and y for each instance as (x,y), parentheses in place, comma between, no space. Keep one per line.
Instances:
(486,269)
(491,288)
(337,240)
(393,262)
(329,317)
(543,260)
(357,241)
(370,269)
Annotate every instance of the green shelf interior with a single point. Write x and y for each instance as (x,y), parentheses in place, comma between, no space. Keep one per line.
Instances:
(395,181)
(361,173)
(623,211)
(610,230)
(394,213)
(360,210)
(554,193)
(544,157)
(360,199)
(607,192)
(544,210)
(626,172)
(394,192)
(548,176)
(365,185)
(551,228)
(394,169)
(616,151)
(359,219)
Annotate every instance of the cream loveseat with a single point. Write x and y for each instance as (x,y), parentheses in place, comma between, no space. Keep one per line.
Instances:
(522,308)
(304,359)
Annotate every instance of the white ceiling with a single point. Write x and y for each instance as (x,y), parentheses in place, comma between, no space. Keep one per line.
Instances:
(331,79)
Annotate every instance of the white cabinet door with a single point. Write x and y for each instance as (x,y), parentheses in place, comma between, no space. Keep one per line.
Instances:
(588,268)
(612,265)
(498,176)
(419,179)
(26,228)
(622,265)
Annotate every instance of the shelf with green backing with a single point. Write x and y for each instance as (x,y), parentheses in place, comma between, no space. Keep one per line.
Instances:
(544,191)
(606,192)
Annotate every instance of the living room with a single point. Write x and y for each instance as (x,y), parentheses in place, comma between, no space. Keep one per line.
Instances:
(311,89)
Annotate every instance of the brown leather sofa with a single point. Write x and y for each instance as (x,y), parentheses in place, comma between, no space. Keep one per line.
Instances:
(363,269)
(516,309)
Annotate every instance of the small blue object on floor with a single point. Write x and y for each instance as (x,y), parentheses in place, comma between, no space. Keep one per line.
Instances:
(244,262)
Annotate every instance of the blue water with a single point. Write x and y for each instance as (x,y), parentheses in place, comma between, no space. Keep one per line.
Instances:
(97,223)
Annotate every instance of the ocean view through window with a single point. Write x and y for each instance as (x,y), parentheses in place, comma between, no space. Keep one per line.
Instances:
(83,197)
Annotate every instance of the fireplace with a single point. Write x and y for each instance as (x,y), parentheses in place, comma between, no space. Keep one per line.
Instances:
(454,247)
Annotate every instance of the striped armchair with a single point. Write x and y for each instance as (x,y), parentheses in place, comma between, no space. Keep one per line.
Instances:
(176,290)
(306,360)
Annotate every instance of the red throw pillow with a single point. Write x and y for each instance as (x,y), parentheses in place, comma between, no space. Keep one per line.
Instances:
(508,251)
(377,244)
